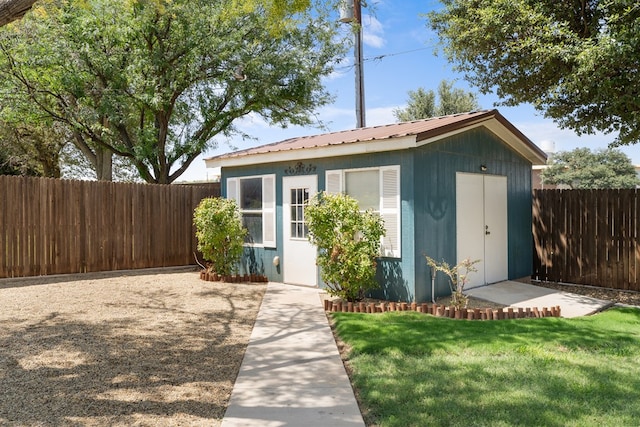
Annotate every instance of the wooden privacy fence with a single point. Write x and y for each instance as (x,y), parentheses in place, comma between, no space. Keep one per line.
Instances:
(588,237)
(50,226)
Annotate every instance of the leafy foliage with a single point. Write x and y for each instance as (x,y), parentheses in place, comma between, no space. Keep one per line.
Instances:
(31,150)
(458,277)
(220,233)
(576,61)
(586,169)
(157,81)
(348,243)
(422,103)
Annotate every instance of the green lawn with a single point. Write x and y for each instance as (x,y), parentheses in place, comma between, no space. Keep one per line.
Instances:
(411,369)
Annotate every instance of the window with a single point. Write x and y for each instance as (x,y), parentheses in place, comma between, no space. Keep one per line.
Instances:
(256,199)
(299,200)
(364,186)
(377,189)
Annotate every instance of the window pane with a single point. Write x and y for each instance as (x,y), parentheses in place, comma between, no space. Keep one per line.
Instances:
(251,193)
(364,186)
(253,223)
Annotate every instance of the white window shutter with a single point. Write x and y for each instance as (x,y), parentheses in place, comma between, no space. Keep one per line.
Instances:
(269,211)
(390,210)
(333,182)
(232,189)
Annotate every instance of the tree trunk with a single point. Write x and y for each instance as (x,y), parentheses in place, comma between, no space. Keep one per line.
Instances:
(10,10)
(104,164)
(101,159)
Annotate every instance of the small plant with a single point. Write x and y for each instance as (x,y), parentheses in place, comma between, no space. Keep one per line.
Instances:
(458,278)
(348,243)
(220,233)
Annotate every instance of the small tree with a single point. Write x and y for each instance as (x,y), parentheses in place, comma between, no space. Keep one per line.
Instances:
(348,243)
(586,169)
(220,233)
(422,103)
(458,276)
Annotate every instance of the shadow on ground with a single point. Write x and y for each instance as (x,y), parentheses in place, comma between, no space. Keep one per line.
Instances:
(154,356)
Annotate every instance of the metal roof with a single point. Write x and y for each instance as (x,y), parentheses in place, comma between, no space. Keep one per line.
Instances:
(421,130)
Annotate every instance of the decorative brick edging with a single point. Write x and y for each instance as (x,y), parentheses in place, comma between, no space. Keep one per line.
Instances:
(236,278)
(443,310)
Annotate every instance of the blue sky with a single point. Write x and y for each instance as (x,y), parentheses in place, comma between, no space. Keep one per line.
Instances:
(398,57)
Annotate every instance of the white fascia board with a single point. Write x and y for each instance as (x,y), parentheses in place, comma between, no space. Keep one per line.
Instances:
(514,142)
(501,132)
(345,149)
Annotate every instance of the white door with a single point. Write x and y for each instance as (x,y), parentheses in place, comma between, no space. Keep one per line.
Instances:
(481,230)
(495,237)
(299,256)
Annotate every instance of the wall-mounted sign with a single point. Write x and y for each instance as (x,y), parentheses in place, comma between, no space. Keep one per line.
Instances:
(300,169)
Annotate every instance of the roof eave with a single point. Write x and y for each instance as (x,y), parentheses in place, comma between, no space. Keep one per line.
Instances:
(498,125)
(318,152)
(490,119)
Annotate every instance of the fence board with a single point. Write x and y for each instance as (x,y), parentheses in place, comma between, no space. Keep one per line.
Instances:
(50,226)
(590,237)
(624,242)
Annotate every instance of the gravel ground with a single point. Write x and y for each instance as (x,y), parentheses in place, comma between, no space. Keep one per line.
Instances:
(161,348)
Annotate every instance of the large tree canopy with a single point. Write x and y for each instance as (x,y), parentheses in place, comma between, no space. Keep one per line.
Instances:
(577,61)
(156,81)
(422,103)
(586,169)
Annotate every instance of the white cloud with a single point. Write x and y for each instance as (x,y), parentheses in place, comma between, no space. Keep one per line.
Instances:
(380,116)
(372,32)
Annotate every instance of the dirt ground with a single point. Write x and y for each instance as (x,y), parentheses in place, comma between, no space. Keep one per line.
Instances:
(160,348)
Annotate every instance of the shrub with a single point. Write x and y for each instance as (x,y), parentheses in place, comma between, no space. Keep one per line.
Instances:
(348,243)
(220,233)
(458,276)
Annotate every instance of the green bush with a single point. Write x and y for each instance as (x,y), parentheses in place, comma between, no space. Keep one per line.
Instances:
(348,243)
(220,233)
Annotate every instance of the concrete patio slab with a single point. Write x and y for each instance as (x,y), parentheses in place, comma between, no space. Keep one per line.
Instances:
(516,294)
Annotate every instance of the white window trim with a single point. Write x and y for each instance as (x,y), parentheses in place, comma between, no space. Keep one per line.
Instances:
(268,207)
(335,183)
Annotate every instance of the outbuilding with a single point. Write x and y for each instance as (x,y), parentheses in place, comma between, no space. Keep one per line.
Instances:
(451,187)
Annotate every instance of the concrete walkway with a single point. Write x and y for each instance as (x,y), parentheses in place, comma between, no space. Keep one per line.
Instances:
(292,374)
(516,294)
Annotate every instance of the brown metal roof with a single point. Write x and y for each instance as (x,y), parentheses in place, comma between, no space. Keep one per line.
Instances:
(421,129)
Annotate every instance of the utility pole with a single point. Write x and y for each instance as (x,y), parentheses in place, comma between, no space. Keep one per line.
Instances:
(351,11)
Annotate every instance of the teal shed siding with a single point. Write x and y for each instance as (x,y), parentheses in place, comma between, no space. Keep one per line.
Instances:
(428,208)
(397,274)
(436,165)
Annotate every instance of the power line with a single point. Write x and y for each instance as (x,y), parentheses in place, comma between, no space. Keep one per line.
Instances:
(381,57)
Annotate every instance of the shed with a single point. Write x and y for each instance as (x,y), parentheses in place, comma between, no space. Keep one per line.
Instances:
(450,187)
